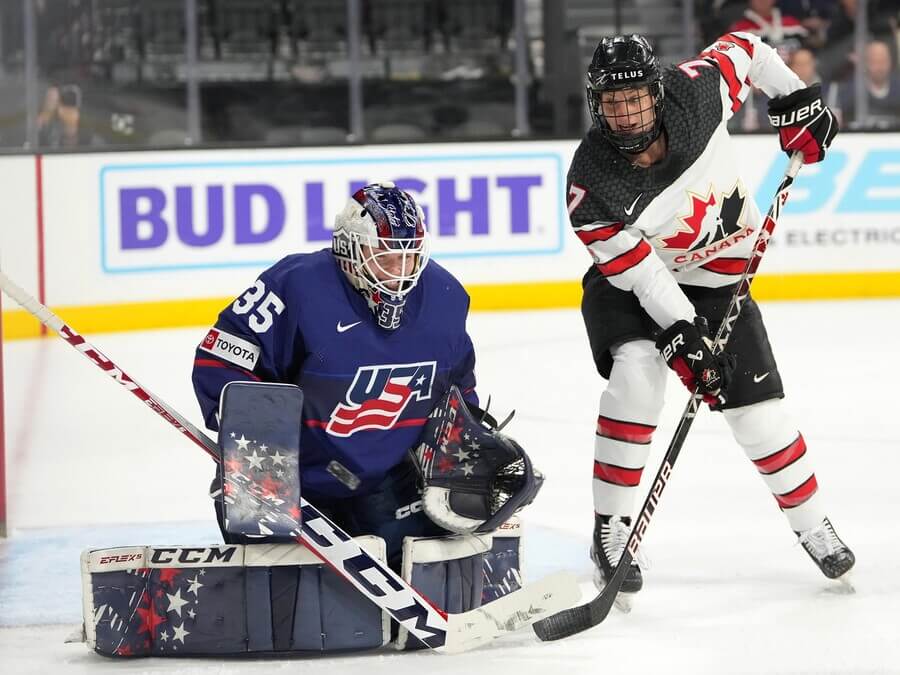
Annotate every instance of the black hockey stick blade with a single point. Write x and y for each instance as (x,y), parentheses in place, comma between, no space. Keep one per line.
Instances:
(568,622)
(577,619)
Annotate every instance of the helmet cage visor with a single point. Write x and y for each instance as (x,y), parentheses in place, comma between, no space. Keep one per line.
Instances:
(390,265)
(629,116)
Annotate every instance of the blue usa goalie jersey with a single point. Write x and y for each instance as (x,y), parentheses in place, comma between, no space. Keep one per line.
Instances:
(367,391)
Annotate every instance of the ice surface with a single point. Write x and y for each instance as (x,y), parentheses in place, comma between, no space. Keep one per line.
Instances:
(728,590)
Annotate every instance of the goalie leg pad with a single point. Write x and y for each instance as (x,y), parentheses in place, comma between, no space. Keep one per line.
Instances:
(448,571)
(503,563)
(177,601)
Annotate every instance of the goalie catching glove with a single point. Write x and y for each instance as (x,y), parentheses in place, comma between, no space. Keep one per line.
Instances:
(474,478)
(687,349)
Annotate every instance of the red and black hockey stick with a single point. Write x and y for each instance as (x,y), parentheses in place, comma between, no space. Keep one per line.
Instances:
(374,579)
(576,619)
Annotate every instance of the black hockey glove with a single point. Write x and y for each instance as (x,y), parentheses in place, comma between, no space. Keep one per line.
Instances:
(804,123)
(687,349)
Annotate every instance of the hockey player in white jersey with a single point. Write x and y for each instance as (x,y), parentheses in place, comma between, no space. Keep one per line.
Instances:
(656,195)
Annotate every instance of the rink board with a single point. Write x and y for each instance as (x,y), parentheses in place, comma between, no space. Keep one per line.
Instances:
(117,241)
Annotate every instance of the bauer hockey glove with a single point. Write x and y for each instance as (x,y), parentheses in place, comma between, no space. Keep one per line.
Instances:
(687,349)
(804,123)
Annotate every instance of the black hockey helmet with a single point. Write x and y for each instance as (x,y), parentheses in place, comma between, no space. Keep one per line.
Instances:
(626,62)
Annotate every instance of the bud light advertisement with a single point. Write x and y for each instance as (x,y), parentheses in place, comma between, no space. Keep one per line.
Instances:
(237,213)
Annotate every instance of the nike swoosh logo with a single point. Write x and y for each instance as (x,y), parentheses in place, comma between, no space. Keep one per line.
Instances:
(341,328)
(630,209)
(760,378)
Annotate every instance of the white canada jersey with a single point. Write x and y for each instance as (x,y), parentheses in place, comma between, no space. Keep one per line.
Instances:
(690,218)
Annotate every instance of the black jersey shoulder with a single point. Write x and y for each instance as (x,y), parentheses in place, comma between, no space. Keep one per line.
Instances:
(618,191)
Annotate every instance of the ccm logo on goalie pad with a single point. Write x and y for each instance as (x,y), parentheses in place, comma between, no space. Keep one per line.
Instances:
(193,555)
(796,116)
(231,348)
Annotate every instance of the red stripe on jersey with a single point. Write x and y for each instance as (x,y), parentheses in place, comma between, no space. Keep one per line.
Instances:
(726,265)
(783,458)
(626,261)
(412,422)
(746,45)
(798,495)
(726,67)
(588,237)
(617,475)
(212,363)
(630,432)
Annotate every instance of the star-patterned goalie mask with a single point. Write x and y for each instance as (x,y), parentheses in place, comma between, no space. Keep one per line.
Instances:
(474,478)
(381,243)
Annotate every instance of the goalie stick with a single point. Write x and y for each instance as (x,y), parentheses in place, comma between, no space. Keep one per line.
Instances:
(447,633)
(576,619)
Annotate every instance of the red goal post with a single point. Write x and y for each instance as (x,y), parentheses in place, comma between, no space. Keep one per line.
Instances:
(2,436)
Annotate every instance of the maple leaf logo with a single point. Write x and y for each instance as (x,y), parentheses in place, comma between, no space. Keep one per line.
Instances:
(686,235)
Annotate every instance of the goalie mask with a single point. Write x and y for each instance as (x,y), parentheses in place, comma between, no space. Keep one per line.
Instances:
(381,244)
(474,477)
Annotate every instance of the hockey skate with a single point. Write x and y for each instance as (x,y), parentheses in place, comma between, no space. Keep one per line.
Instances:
(827,550)
(610,536)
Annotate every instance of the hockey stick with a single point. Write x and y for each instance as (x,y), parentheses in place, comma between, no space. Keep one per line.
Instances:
(435,628)
(576,619)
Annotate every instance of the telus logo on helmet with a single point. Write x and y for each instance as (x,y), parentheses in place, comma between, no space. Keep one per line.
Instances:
(630,75)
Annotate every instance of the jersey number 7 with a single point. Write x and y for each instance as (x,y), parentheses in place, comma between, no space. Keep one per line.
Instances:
(689,68)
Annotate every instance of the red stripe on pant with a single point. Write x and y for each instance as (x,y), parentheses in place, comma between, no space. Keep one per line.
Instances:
(630,432)
(799,495)
(783,458)
(617,475)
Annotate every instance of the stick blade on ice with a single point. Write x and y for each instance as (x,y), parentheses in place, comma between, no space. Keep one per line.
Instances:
(512,612)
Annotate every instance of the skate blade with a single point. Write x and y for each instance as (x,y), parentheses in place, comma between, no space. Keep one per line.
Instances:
(845,584)
(624,602)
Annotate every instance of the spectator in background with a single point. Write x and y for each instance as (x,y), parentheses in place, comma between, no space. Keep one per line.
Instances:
(837,58)
(813,16)
(59,121)
(882,89)
(803,62)
(47,115)
(784,32)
